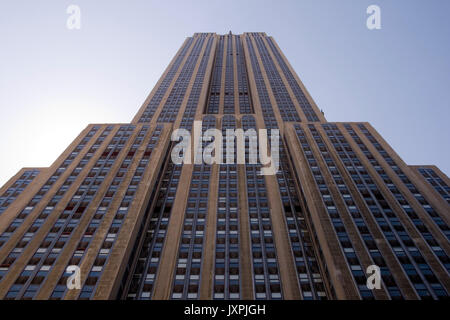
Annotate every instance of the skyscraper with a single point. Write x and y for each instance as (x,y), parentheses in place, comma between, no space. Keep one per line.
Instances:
(140,226)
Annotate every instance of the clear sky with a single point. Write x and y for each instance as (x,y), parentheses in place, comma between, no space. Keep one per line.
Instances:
(55,81)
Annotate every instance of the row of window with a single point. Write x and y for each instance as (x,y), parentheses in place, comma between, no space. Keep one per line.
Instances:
(335,217)
(16,189)
(285,105)
(309,277)
(436,182)
(101,213)
(409,256)
(408,183)
(306,264)
(191,106)
(264,100)
(40,264)
(172,105)
(212,106)
(265,269)
(228,104)
(144,274)
(298,92)
(357,218)
(38,222)
(186,283)
(226,282)
(245,106)
(165,83)
(110,239)
(402,202)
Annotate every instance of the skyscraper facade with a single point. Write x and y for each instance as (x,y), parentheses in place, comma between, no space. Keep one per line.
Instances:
(140,226)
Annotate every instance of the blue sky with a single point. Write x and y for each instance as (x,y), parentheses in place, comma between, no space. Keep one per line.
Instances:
(55,81)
